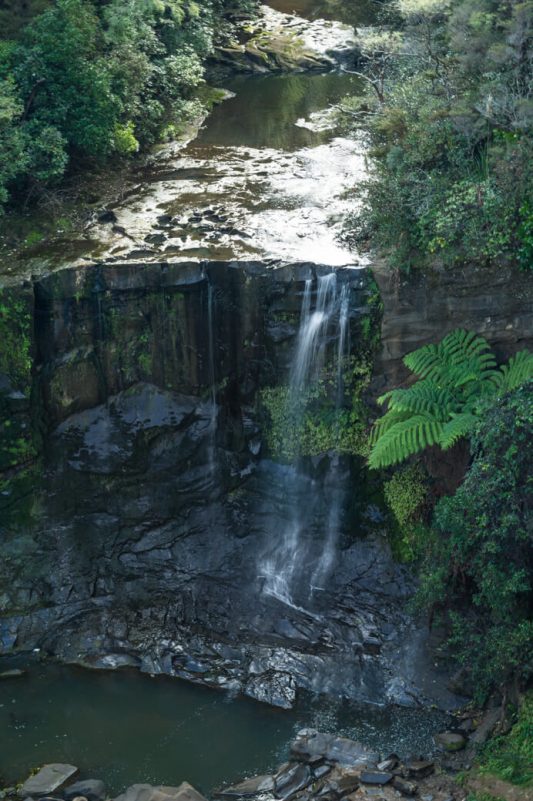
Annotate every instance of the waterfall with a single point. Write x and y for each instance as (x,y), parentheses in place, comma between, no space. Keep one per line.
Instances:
(213,410)
(335,486)
(289,554)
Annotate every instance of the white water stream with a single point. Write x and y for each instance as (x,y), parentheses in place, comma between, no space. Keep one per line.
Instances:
(321,323)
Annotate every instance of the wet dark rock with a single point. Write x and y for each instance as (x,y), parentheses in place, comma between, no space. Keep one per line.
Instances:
(419,768)
(389,763)
(451,740)
(107,216)
(375,777)
(48,780)
(320,771)
(404,786)
(294,778)
(155,239)
(91,789)
(272,687)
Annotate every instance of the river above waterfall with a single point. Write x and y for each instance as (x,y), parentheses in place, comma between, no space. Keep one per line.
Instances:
(268,176)
(126,727)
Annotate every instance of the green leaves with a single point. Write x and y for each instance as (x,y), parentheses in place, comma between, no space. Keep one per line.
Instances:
(478,564)
(457,377)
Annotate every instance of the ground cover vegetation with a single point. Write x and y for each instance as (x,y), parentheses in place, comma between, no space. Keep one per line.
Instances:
(85,81)
(448,114)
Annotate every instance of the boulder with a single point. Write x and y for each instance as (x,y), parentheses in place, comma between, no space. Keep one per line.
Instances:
(47,780)
(375,777)
(450,740)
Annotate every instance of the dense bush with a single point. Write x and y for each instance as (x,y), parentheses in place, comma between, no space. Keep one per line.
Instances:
(449,116)
(479,566)
(90,79)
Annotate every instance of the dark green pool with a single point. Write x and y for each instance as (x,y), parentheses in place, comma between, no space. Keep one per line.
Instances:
(127,727)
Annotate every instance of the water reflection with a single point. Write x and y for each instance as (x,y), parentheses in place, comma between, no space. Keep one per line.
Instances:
(351,12)
(265,110)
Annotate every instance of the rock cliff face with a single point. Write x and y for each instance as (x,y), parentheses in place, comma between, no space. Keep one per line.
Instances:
(495,301)
(140,544)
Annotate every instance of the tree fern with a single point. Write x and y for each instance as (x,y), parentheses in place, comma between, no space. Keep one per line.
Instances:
(403,439)
(461,425)
(425,397)
(456,376)
(518,369)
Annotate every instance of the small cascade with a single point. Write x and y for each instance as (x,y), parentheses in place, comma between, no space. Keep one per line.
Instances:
(289,554)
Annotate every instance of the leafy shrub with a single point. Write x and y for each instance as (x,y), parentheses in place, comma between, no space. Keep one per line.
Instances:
(86,81)
(450,135)
(406,494)
(479,564)
(511,756)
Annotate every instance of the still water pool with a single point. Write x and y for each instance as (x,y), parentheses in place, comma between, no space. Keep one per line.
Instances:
(126,727)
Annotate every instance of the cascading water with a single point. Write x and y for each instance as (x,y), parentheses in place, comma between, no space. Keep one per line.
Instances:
(335,486)
(213,409)
(289,553)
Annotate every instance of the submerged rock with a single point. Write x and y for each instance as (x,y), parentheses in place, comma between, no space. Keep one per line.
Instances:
(15,673)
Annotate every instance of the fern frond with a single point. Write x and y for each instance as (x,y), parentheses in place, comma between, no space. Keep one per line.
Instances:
(426,361)
(403,439)
(459,426)
(424,397)
(388,420)
(518,369)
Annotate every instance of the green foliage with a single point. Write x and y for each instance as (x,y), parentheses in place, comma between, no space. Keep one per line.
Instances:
(314,422)
(478,565)
(457,378)
(449,119)
(406,494)
(86,80)
(15,341)
(510,757)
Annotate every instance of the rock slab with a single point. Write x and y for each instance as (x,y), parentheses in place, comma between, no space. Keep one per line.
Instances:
(48,780)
